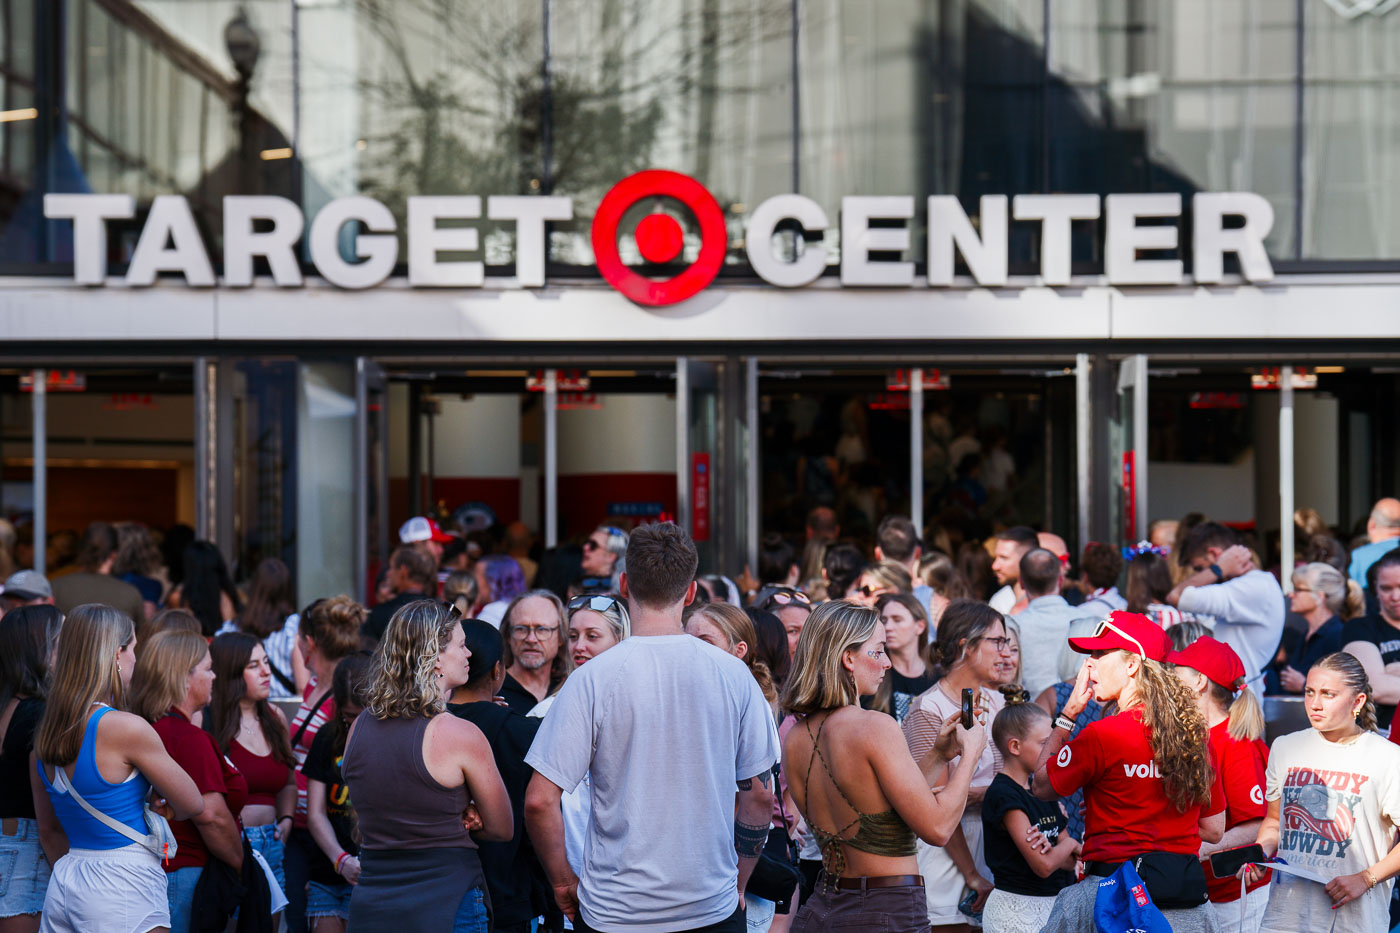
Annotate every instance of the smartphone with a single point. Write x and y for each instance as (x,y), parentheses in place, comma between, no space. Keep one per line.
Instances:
(969,709)
(1228,862)
(965,905)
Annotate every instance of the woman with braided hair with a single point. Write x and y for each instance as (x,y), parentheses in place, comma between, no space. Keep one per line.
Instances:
(1150,792)
(856,785)
(1334,805)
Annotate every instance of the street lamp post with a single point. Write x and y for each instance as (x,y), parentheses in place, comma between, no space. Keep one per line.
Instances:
(244,47)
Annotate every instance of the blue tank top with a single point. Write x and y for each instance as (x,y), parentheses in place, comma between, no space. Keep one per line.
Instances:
(123,802)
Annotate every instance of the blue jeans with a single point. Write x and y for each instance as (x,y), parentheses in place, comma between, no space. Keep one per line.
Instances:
(471,913)
(263,839)
(179,892)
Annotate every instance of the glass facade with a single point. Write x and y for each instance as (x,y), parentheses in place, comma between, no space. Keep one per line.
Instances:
(1295,101)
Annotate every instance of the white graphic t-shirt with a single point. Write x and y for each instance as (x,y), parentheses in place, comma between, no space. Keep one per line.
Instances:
(1339,806)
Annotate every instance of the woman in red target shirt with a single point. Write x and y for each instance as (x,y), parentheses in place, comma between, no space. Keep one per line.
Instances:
(1150,794)
(1215,674)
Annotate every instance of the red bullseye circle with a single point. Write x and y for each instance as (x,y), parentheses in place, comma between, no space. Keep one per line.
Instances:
(659,237)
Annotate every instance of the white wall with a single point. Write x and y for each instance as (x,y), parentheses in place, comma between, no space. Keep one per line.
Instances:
(629,434)
(1225,492)
(477,436)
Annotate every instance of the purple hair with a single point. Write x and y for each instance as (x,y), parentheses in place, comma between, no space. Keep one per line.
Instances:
(504,576)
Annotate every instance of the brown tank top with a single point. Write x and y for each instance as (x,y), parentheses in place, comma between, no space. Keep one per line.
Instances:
(400,805)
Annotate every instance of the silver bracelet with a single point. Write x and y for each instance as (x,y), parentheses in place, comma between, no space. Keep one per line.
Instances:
(1064,722)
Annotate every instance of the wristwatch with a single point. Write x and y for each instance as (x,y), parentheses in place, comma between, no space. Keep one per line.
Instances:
(1219,574)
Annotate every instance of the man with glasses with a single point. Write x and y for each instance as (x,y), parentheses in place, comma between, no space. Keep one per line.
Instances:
(604,557)
(679,745)
(533,629)
(1247,602)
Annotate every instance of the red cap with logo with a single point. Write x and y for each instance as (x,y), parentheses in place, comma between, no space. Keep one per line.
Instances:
(1215,659)
(1127,631)
(421,528)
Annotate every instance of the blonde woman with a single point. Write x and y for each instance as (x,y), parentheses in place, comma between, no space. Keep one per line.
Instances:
(415,769)
(731,630)
(1334,806)
(1146,774)
(103,881)
(877,579)
(174,681)
(1215,674)
(865,800)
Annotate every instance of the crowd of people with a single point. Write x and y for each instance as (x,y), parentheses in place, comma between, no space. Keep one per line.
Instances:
(864,736)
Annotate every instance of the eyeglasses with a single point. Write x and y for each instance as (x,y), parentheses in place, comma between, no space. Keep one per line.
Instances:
(541,632)
(1107,626)
(596,603)
(1001,642)
(785,596)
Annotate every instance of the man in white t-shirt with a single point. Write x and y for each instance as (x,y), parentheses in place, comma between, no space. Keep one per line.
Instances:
(1247,602)
(666,727)
(1011,545)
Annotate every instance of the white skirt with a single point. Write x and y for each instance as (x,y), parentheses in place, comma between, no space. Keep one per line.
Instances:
(106,891)
(1015,913)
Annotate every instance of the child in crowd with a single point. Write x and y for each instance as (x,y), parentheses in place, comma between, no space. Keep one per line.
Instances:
(1027,848)
(330,815)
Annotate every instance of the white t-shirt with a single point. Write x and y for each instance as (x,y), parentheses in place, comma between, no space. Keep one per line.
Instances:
(1340,805)
(1003,599)
(1249,615)
(664,726)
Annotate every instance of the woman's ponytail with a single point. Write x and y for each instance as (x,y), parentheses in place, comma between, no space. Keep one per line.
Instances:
(1354,676)
(1355,605)
(1246,716)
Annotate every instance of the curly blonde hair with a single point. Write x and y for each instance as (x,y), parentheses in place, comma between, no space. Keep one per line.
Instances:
(1177,732)
(402,684)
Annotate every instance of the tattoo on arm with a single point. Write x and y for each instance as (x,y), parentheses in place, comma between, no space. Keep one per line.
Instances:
(749,839)
(766,779)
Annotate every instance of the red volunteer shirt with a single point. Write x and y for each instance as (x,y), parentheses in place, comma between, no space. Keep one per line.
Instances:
(1126,810)
(194,750)
(1241,769)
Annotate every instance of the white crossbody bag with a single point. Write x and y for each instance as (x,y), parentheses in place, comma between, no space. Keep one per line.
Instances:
(161,841)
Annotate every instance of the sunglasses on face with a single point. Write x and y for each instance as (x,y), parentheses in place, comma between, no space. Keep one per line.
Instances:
(596,603)
(867,590)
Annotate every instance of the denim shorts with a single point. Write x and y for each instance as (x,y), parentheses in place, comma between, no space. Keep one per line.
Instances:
(179,893)
(263,839)
(328,900)
(24,871)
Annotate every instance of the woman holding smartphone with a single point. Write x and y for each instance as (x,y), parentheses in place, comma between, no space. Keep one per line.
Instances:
(852,778)
(1334,806)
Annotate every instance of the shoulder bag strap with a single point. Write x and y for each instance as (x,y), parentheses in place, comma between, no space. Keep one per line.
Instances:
(63,785)
(287,683)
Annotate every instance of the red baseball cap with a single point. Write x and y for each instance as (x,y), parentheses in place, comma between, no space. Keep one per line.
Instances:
(1127,631)
(419,528)
(1215,659)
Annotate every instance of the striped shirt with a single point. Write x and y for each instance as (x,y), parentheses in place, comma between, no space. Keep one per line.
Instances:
(319,716)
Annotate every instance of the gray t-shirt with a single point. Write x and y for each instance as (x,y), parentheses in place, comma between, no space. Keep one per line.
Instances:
(664,725)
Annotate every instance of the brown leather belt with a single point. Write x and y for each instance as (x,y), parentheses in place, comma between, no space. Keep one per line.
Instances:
(9,826)
(875,881)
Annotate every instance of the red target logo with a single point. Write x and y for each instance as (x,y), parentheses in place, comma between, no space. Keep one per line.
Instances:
(659,237)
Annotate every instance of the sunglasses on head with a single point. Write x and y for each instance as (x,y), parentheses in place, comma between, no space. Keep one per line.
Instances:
(1106,626)
(785,596)
(596,603)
